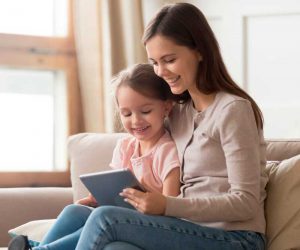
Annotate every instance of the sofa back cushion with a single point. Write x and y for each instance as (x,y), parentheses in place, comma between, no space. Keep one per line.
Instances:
(89,152)
(282,206)
(278,150)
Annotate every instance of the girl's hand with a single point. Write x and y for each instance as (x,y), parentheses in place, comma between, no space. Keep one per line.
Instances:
(88,201)
(146,202)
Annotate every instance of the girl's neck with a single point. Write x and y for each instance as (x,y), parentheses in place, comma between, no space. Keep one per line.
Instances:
(146,146)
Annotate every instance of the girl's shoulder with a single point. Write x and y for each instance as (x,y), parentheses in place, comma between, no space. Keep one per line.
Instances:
(126,141)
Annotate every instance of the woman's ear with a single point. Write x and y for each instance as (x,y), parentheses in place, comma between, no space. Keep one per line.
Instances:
(199,56)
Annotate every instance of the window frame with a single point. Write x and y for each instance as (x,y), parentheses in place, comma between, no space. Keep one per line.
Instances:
(49,53)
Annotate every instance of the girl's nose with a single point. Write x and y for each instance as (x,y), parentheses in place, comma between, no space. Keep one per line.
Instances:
(135,118)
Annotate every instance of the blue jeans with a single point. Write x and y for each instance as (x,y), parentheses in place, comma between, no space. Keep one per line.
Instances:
(116,228)
(66,231)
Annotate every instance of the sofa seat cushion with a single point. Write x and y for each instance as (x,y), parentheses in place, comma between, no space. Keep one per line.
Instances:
(283,204)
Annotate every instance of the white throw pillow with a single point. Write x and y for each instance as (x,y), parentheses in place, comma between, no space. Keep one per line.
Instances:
(34,230)
(283,204)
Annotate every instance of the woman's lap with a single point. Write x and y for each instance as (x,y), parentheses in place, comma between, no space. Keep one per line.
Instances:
(109,224)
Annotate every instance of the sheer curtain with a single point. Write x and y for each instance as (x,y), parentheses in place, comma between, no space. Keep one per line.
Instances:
(108,38)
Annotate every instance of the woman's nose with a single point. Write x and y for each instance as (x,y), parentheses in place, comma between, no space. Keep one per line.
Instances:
(160,70)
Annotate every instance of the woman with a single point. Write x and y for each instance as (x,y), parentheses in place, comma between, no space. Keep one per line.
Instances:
(218,130)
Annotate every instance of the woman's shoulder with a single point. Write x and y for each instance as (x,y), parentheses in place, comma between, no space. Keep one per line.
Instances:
(228,98)
(234,110)
(229,103)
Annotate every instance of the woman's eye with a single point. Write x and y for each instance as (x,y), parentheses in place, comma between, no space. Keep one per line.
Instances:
(146,112)
(153,63)
(126,114)
(170,60)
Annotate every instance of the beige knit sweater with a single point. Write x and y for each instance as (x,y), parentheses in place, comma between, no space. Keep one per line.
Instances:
(223,161)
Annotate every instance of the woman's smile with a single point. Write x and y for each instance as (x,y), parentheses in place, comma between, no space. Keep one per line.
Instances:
(172,81)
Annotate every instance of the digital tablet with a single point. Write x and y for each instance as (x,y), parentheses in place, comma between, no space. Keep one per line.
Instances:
(106,186)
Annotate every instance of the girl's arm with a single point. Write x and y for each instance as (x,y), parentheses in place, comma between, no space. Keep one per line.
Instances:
(171,184)
(88,201)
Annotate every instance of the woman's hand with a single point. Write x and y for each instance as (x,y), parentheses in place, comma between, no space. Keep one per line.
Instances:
(88,201)
(145,202)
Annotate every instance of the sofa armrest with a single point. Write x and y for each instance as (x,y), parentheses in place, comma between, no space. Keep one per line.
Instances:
(21,205)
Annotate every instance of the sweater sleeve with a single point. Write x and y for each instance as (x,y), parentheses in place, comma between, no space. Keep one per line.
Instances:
(239,139)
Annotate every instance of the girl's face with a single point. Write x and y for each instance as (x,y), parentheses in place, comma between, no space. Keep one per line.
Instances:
(141,116)
(176,64)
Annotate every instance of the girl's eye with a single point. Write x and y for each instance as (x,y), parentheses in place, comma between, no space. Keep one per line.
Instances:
(146,112)
(126,114)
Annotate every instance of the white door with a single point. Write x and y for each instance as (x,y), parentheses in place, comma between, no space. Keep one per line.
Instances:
(260,43)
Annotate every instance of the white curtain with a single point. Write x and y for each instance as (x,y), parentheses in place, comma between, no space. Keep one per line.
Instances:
(108,38)
(87,31)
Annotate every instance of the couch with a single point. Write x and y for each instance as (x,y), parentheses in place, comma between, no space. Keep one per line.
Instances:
(90,152)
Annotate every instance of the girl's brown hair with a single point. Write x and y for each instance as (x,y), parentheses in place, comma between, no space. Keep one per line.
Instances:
(142,79)
(186,25)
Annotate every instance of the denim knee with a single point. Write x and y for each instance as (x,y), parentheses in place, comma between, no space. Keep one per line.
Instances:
(104,212)
(75,210)
(108,215)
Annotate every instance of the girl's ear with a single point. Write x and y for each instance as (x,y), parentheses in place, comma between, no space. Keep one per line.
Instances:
(168,107)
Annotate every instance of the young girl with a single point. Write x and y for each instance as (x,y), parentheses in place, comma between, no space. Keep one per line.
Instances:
(144,101)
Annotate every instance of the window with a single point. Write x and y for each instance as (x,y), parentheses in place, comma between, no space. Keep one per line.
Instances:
(34,17)
(36,100)
(38,91)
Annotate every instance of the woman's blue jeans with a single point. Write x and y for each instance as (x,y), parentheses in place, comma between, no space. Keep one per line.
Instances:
(107,225)
(115,228)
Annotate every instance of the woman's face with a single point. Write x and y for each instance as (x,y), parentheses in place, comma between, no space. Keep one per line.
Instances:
(176,64)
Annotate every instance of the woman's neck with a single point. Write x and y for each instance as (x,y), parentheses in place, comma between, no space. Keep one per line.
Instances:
(202,101)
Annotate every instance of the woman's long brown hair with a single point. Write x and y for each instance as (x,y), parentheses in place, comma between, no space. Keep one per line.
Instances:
(186,25)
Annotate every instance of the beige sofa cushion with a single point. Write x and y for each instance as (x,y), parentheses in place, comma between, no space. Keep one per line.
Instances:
(89,152)
(283,204)
(278,150)
(34,230)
